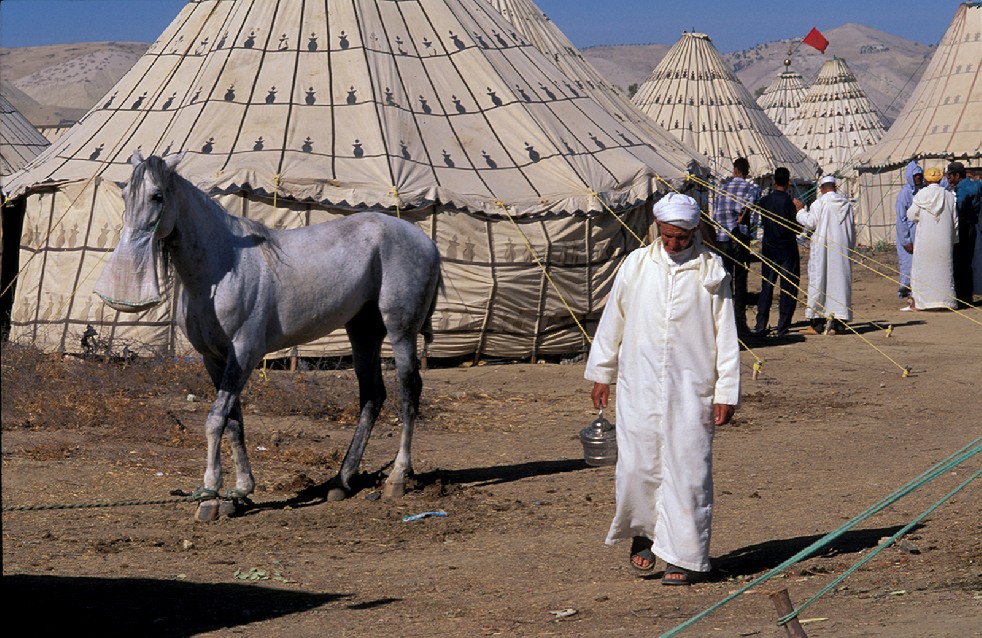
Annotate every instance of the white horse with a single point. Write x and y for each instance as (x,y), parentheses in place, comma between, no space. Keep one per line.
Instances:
(249,290)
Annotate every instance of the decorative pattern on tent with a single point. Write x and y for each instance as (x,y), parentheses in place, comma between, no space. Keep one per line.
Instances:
(941,122)
(781,99)
(836,120)
(698,98)
(543,33)
(20,142)
(295,112)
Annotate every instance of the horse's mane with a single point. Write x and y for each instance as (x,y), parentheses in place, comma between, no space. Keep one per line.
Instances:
(167,178)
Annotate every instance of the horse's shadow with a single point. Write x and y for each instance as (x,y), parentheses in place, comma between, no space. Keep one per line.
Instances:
(152,607)
(370,482)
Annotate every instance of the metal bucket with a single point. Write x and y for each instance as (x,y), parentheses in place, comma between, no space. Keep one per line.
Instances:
(599,442)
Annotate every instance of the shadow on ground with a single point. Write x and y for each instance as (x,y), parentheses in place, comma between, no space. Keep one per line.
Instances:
(61,605)
(761,557)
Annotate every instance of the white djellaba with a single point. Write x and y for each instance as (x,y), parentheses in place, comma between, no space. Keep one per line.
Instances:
(668,336)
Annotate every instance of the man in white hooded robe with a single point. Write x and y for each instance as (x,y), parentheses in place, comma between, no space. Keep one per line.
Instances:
(833,240)
(668,336)
(932,271)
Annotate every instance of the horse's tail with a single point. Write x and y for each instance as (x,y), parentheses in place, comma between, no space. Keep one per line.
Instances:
(427,329)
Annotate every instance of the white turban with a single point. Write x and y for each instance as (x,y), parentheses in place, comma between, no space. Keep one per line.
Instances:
(678,210)
(828,179)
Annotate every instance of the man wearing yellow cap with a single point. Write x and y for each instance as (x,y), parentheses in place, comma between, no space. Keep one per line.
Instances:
(932,271)
(669,337)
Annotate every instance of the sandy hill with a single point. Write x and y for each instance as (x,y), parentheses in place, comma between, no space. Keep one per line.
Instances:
(61,82)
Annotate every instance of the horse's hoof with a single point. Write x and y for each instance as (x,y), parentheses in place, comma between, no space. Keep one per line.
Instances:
(229,508)
(394,490)
(207,511)
(337,494)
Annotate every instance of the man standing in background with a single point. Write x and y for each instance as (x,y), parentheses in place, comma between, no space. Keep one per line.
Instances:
(779,252)
(906,229)
(968,204)
(830,261)
(730,211)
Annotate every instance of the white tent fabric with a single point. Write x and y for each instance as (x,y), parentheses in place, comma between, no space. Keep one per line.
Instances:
(295,112)
(782,97)
(698,99)
(836,120)
(543,33)
(20,142)
(941,122)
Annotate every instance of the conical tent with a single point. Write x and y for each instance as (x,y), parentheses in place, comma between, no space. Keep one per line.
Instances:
(543,33)
(941,122)
(836,120)
(295,112)
(20,142)
(697,97)
(781,99)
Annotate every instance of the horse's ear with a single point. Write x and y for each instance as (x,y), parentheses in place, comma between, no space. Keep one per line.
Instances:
(136,158)
(172,160)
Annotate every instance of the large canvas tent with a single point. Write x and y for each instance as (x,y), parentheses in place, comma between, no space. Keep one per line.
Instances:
(294,112)
(695,95)
(782,97)
(836,120)
(543,33)
(20,142)
(941,122)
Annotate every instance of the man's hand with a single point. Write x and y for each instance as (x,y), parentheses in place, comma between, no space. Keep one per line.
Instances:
(909,248)
(600,395)
(722,413)
(798,204)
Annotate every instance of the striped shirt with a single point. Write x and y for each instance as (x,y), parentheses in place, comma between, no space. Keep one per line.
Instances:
(736,194)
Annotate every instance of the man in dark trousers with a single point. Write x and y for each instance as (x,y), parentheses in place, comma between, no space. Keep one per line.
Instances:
(969,203)
(730,212)
(779,251)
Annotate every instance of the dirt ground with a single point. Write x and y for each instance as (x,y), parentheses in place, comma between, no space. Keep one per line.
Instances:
(830,428)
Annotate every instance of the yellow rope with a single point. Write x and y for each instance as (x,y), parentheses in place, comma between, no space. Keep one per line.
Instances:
(528,245)
(395,193)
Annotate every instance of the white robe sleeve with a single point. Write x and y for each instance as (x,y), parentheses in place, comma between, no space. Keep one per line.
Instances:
(914,213)
(601,366)
(807,218)
(727,389)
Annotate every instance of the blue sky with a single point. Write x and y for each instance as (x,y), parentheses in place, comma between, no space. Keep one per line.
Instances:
(732,25)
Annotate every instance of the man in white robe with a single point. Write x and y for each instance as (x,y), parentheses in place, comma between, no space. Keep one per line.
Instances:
(668,336)
(932,272)
(833,240)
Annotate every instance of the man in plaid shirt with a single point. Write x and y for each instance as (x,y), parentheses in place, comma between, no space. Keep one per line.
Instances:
(731,211)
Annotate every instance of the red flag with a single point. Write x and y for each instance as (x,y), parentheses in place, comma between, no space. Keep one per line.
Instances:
(816,40)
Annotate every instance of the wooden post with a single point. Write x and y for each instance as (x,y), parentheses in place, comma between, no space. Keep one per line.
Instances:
(782,602)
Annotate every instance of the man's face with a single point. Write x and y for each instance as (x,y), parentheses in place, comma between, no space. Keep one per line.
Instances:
(954,178)
(675,239)
(918,180)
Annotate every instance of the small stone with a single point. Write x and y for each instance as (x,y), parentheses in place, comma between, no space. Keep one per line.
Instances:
(186,544)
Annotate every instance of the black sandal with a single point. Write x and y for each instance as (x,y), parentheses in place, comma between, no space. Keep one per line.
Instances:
(641,548)
(682,575)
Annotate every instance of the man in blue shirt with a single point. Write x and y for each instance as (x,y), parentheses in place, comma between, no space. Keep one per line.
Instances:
(731,213)
(968,206)
(907,229)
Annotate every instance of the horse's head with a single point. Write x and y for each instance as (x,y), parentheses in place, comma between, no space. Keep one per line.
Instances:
(129,281)
(148,197)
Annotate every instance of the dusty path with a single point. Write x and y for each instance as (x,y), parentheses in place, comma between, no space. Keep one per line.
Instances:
(830,428)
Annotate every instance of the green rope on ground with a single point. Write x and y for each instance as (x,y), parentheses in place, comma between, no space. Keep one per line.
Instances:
(79,506)
(887,543)
(952,461)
